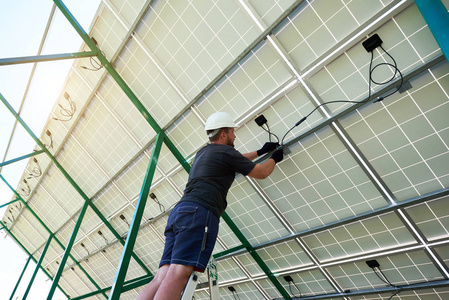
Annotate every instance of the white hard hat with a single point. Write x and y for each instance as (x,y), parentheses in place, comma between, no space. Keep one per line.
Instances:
(219,120)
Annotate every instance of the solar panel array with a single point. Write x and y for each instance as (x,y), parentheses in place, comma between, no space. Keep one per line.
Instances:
(360,182)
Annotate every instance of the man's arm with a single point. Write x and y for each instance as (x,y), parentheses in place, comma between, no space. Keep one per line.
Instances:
(262,171)
(251,155)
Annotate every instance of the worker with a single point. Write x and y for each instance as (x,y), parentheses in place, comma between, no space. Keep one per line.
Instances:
(192,226)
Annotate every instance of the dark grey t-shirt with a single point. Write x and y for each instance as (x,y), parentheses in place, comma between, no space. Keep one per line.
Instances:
(212,174)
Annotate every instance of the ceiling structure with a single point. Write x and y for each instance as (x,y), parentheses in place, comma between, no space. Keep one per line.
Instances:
(361,182)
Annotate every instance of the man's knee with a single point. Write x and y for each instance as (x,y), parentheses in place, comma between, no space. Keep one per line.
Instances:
(160,275)
(180,271)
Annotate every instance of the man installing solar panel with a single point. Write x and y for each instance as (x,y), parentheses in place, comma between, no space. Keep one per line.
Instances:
(192,226)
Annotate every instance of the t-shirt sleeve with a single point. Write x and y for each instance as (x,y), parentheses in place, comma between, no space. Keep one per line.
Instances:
(238,162)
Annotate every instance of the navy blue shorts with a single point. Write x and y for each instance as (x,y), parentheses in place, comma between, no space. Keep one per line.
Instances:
(190,236)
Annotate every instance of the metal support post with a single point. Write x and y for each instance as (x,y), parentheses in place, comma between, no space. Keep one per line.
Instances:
(67,251)
(70,179)
(38,266)
(437,17)
(20,158)
(20,277)
(127,286)
(48,230)
(107,65)
(42,58)
(141,108)
(29,254)
(10,202)
(72,182)
(134,228)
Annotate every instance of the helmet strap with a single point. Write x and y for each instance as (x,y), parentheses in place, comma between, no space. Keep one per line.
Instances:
(213,133)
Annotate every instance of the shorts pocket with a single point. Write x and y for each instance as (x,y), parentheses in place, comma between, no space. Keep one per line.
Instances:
(185,217)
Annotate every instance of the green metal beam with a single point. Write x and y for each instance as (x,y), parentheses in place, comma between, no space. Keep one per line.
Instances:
(20,158)
(64,172)
(117,235)
(29,254)
(437,17)
(67,252)
(49,231)
(43,58)
(256,256)
(71,181)
(114,74)
(141,108)
(20,277)
(135,224)
(127,286)
(10,202)
(38,265)
(177,154)
(228,251)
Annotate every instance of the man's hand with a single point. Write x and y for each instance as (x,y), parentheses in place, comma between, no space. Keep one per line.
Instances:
(278,155)
(262,171)
(267,147)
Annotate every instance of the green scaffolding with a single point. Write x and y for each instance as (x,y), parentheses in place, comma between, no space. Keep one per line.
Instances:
(119,285)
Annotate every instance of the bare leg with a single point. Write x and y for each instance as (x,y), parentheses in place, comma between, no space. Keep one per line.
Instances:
(174,282)
(150,290)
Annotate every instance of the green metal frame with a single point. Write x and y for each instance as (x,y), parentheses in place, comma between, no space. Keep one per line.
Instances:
(20,277)
(50,232)
(437,17)
(10,202)
(141,108)
(127,286)
(138,213)
(82,212)
(5,163)
(439,24)
(38,265)
(42,58)
(29,256)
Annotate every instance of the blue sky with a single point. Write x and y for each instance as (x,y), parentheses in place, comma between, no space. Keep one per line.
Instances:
(23,23)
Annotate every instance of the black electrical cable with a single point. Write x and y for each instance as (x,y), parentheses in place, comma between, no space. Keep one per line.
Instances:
(236,296)
(387,282)
(270,133)
(25,191)
(371,70)
(170,207)
(161,206)
(290,288)
(397,292)
(51,140)
(67,112)
(96,65)
(36,171)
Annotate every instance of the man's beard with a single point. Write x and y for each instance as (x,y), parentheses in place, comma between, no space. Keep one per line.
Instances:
(230,142)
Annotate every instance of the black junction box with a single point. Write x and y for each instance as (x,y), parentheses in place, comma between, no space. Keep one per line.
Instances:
(372,43)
